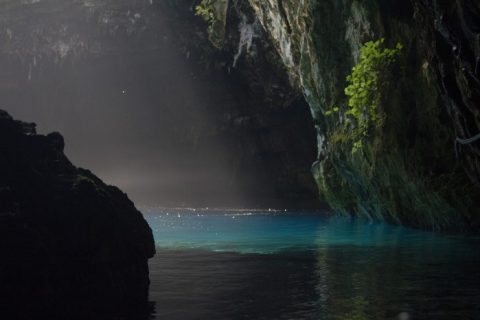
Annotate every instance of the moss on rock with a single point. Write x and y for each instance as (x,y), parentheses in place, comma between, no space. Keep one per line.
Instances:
(407,171)
(400,119)
(214,13)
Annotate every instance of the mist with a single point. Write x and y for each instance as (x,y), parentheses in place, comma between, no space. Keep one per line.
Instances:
(131,105)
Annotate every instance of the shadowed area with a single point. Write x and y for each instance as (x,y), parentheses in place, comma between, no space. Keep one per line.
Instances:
(146,115)
(71,246)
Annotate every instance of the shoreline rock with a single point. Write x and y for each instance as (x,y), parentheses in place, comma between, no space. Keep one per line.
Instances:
(71,245)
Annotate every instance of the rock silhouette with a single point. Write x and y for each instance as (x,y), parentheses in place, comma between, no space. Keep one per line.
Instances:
(71,246)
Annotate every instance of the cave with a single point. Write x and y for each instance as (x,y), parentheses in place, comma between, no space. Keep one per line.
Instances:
(147,102)
(239,159)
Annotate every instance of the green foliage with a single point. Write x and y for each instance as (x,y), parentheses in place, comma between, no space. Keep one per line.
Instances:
(369,170)
(206,10)
(213,12)
(332,111)
(364,90)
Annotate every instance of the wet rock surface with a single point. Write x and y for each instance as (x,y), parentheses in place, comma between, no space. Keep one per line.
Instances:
(421,167)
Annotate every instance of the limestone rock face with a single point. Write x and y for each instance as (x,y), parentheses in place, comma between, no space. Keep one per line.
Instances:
(422,167)
(70,245)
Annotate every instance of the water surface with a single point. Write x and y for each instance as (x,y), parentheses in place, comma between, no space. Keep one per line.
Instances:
(226,264)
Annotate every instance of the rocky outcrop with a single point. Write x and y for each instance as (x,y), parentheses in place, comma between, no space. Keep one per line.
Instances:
(408,172)
(70,245)
(420,165)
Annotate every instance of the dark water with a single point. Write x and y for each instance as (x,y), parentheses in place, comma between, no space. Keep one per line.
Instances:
(275,265)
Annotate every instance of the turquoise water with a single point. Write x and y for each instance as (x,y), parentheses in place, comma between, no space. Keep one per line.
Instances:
(275,231)
(219,264)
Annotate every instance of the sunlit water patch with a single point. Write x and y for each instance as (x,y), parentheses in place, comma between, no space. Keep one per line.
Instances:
(219,264)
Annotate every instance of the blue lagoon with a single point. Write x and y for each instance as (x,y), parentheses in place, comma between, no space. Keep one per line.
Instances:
(247,264)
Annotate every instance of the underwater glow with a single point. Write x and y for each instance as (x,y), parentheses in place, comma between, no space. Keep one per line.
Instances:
(273,231)
(299,265)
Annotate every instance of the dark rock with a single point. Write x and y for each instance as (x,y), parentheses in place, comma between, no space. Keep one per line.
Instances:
(454,36)
(70,245)
(57,141)
(263,118)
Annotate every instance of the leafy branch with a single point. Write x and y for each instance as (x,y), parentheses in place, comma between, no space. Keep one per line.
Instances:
(364,90)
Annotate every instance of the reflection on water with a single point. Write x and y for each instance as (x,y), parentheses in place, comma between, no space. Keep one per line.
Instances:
(273,265)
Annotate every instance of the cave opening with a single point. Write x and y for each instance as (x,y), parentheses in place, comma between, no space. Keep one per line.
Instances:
(145,101)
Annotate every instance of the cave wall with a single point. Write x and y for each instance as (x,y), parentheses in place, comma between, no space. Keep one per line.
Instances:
(265,121)
(421,167)
(149,104)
